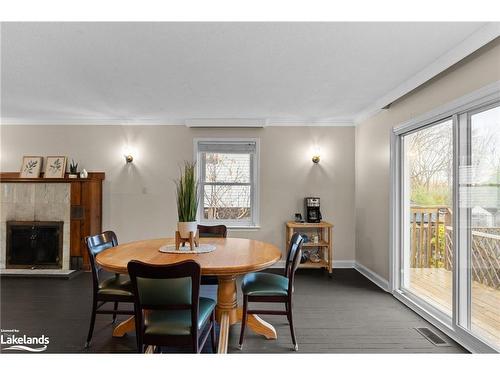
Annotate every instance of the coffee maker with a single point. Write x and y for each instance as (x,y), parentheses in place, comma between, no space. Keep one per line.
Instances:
(313,214)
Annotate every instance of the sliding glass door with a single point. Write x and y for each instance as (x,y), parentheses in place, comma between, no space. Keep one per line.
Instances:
(428,218)
(446,218)
(480,201)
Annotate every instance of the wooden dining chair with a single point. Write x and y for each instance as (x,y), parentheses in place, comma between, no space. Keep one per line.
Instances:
(216,231)
(268,287)
(176,314)
(114,289)
(211,231)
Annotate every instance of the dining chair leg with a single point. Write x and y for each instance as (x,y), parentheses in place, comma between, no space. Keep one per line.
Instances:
(212,333)
(196,343)
(292,330)
(243,321)
(114,314)
(138,333)
(92,323)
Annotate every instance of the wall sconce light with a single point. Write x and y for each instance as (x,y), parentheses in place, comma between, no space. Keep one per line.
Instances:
(128,154)
(316,157)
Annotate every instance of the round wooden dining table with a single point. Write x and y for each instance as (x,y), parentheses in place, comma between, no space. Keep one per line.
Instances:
(232,257)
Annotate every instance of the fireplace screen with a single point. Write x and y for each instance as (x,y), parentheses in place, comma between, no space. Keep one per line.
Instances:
(34,244)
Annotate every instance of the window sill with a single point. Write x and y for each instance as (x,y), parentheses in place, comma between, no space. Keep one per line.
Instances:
(244,228)
(235,227)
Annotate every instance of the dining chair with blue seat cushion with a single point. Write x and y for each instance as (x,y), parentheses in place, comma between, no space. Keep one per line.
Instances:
(211,231)
(269,288)
(114,289)
(169,310)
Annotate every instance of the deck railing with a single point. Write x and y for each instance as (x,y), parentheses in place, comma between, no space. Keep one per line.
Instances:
(432,244)
(428,239)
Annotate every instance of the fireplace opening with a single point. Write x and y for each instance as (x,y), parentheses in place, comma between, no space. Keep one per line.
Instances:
(34,244)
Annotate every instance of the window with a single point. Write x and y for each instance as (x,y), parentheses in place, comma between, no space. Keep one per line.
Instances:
(445,217)
(227,172)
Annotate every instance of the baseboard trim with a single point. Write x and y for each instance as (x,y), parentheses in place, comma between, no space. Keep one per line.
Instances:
(336,264)
(278,264)
(365,271)
(372,276)
(343,263)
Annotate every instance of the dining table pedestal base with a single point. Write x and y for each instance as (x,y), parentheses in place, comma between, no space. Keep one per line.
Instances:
(124,327)
(226,299)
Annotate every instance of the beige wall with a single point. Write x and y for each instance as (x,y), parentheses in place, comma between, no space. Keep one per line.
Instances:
(139,199)
(373,149)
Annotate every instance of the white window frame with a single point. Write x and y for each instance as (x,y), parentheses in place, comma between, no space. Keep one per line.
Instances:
(253,223)
(458,111)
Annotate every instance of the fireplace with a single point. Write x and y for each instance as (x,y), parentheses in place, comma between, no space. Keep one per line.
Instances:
(34,244)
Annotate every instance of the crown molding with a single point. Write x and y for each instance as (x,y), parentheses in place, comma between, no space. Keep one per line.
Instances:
(476,40)
(480,97)
(191,123)
(76,121)
(226,123)
(311,122)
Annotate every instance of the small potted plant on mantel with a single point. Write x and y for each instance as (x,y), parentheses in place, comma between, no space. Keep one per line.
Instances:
(73,169)
(187,201)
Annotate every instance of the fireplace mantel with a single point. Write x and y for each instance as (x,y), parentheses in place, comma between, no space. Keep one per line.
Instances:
(14,177)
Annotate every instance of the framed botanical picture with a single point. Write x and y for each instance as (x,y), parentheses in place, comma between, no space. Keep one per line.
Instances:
(55,167)
(31,167)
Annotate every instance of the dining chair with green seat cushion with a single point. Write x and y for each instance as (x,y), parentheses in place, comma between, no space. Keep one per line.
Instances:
(264,284)
(175,323)
(211,231)
(169,310)
(114,289)
(118,285)
(273,288)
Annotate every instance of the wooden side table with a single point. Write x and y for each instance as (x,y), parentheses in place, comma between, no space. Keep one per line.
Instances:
(324,230)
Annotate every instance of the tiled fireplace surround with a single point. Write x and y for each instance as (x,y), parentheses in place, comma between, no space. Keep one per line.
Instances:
(26,201)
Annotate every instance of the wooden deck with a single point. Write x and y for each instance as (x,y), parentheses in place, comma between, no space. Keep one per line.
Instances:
(435,285)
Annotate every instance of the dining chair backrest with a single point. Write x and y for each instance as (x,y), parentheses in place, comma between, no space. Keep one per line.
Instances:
(95,245)
(215,231)
(293,256)
(166,287)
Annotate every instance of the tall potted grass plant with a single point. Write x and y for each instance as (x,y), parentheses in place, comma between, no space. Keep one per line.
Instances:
(187,200)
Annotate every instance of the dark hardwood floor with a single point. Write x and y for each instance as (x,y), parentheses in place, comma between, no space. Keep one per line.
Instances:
(344,314)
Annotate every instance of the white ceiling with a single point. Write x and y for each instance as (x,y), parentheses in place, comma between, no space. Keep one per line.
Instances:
(165,73)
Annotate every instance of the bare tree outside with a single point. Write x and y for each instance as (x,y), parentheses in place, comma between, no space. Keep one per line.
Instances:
(431,162)
(226,190)
(431,165)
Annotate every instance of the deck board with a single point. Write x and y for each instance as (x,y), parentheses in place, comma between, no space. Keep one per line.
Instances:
(435,285)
